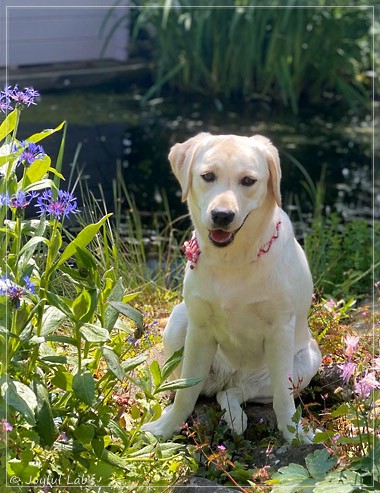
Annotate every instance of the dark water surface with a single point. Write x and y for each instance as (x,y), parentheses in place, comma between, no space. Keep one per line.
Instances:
(113,130)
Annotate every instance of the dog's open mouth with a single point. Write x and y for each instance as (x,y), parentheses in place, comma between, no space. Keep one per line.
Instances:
(221,238)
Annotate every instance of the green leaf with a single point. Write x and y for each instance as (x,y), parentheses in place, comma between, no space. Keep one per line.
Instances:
(84,387)
(43,413)
(345,481)
(129,312)
(63,339)
(98,446)
(45,133)
(113,363)
(85,259)
(117,430)
(59,161)
(131,363)
(37,170)
(82,240)
(56,173)
(26,473)
(20,397)
(111,314)
(292,472)
(94,333)
(320,462)
(51,320)
(342,410)
(39,185)
(84,433)
(114,459)
(55,358)
(82,305)
(172,363)
(60,303)
(29,248)
(156,373)
(63,380)
(55,244)
(180,383)
(323,436)
(8,125)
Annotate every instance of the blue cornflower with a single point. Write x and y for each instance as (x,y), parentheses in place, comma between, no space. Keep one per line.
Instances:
(22,98)
(29,152)
(4,199)
(63,205)
(14,291)
(21,199)
(5,104)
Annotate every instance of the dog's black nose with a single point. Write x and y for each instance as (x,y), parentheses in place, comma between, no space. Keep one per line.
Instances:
(222,217)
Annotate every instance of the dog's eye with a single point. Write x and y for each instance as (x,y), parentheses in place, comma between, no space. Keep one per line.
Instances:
(247,181)
(209,177)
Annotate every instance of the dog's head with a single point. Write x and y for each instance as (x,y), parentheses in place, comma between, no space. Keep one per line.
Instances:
(225,178)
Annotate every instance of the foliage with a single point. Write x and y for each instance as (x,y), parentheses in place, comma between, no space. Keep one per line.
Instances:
(69,338)
(317,476)
(341,256)
(75,386)
(289,53)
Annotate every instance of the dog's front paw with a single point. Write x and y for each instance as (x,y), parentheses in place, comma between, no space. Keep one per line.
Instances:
(301,433)
(165,426)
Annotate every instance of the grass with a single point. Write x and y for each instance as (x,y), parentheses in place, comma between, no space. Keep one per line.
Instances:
(288,55)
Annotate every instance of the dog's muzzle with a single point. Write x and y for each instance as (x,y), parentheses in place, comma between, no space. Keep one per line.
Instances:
(221,219)
(220,237)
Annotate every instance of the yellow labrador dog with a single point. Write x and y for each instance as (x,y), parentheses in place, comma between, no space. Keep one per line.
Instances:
(247,287)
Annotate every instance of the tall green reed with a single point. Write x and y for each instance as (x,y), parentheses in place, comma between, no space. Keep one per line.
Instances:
(284,53)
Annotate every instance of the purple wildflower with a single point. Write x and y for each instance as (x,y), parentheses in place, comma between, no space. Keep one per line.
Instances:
(222,448)
(14,291)
(5,425)
(21,199)
(348,370)
(62,437)
(62,205)
(29,152)
(351,343)
(366,385)
(21,98)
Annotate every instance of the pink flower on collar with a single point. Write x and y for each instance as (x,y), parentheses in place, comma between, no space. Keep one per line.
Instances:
(192,251)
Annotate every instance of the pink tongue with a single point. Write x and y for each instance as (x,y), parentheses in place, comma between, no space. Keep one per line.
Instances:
(220,236)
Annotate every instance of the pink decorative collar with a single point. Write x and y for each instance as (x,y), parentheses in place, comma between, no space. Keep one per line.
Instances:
(192,251)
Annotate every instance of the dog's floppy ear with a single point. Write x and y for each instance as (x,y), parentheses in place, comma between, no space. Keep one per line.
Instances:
(181,159)
(273,160)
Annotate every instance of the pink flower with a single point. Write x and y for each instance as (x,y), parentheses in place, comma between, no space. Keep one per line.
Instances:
(365,386)
(348,370)
(376,365)
(6,426)
(351,343)
(330,303)
(192,251)
(222,448)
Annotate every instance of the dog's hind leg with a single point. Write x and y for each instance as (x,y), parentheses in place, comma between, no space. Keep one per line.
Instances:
(230,401)
(175,334)
(306,364)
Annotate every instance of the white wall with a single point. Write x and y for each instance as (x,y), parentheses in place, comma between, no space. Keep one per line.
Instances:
(44,31)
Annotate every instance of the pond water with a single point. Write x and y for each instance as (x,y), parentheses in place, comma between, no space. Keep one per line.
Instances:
(114,131)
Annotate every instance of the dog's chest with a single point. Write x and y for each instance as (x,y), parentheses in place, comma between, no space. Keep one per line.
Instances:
(233,291)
